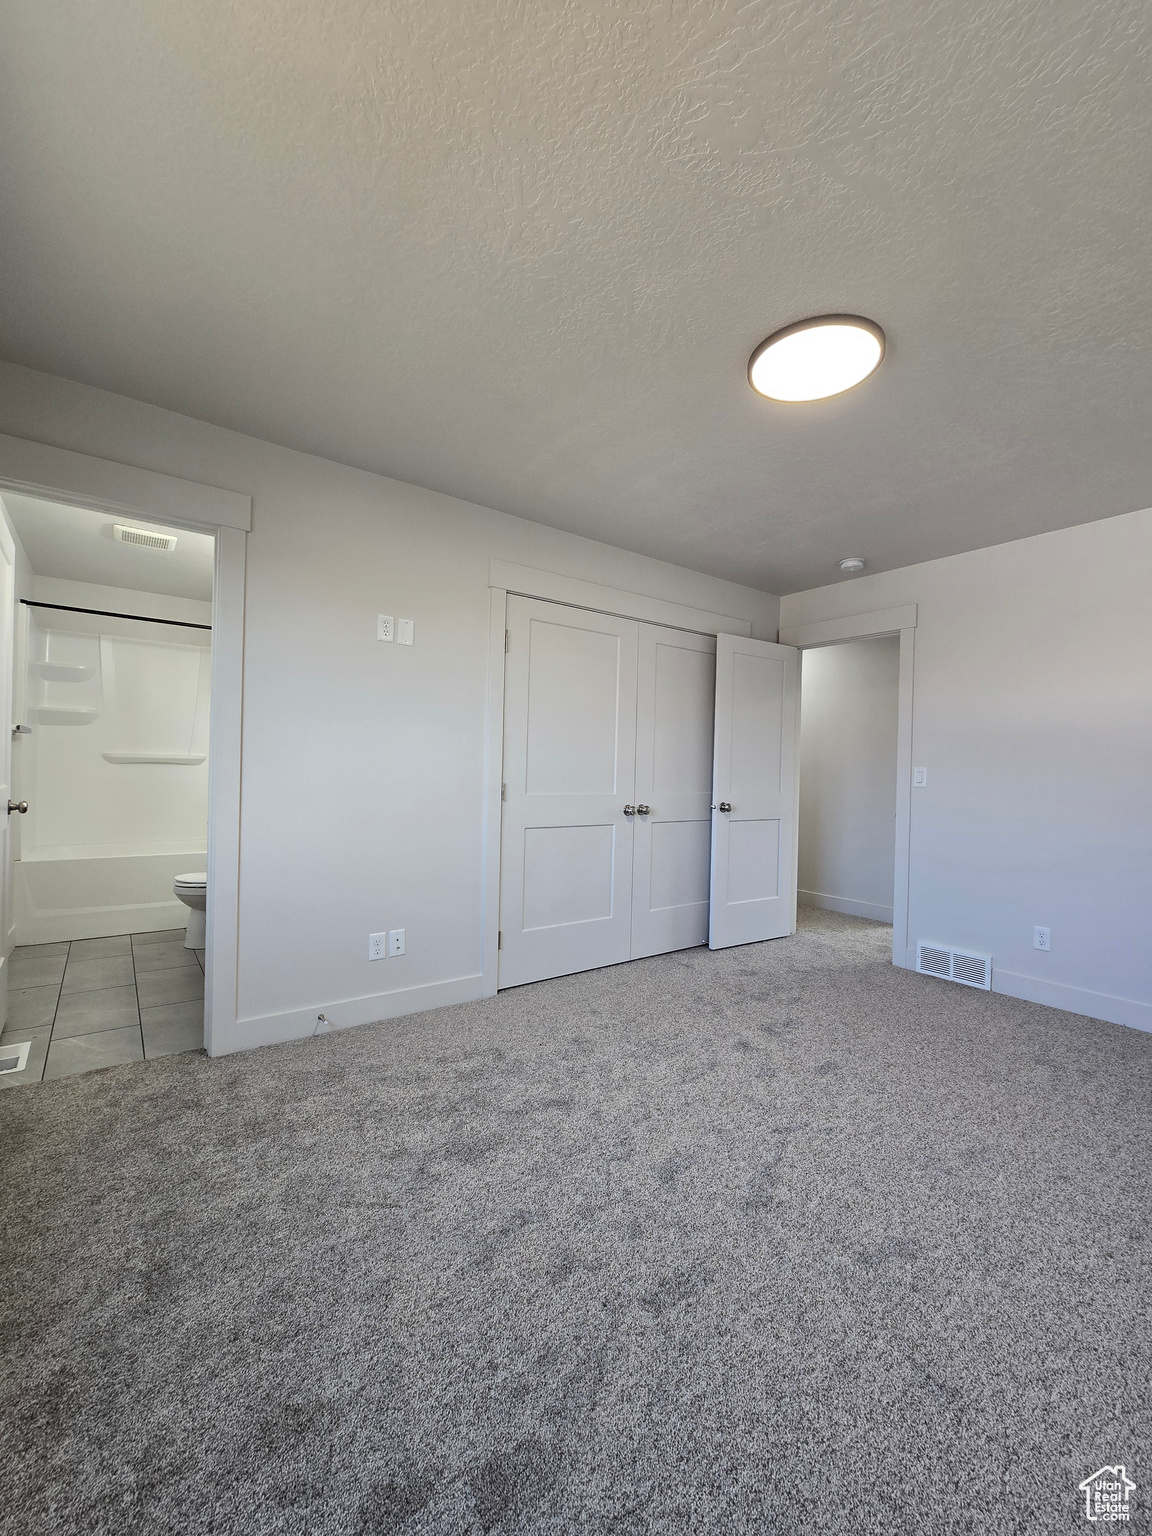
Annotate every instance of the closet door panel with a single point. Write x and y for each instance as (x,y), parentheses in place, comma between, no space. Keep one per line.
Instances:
(676,683)
(569,771)
(754,821)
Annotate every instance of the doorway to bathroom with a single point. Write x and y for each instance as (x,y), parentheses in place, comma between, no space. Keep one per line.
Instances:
(849,716)
(105,882)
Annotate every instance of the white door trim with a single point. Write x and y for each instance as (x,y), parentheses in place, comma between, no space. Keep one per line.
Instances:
(869,626)
(857,626)
(901,951)
(523,581)
(222,952)
(493,778)
(505,577)
(37,469)
(7,716)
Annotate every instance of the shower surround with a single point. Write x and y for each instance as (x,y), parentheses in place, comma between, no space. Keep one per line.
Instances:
(113,761)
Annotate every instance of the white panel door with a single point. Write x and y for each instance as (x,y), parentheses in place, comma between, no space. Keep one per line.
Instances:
(569,771)
(753,885)
(675,696)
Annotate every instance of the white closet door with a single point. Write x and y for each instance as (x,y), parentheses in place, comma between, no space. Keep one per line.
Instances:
(753,887)
(569,771)
(675,696)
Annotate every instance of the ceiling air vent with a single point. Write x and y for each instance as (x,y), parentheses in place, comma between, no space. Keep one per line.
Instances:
(955,965)
(144,537)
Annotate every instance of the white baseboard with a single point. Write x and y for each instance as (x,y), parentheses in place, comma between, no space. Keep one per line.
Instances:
(1057,994)
(298,1023)
(99,922)
(845,904)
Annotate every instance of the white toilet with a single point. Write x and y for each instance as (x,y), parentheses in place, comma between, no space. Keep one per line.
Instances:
(192,890)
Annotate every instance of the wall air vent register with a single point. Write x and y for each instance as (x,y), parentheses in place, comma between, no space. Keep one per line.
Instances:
(955,965)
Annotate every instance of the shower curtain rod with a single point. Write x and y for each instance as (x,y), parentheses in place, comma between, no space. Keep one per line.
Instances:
(107,613)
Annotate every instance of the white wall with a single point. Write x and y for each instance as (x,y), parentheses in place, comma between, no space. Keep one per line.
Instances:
(848,710)
(145,690)
(1032,712)
(90,594)
(363,764)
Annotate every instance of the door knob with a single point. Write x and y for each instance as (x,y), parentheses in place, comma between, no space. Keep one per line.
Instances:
(18,805)
(643,810)
(725,805)
(629,810)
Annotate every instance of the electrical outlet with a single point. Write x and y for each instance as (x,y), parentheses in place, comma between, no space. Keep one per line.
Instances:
(376,943)
(919,778)
(405,632)
(1041,938)
(396,941)
(384,626)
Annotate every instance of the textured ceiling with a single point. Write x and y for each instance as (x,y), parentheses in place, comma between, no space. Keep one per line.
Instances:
(521,253)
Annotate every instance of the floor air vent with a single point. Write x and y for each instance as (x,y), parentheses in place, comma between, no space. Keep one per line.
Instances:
(14,1058)
(955,965)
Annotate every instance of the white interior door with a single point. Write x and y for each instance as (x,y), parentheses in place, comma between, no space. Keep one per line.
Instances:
(675,696)
(753,885)
(7,629)
(569,771)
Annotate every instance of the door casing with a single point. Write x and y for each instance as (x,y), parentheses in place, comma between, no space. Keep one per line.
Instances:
(79,479)
(870,626)
(8,651)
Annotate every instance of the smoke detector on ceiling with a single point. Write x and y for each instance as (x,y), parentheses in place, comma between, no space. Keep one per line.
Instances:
(145,537)
(851,565)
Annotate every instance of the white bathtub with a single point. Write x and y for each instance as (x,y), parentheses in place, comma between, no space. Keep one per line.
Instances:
(68,894)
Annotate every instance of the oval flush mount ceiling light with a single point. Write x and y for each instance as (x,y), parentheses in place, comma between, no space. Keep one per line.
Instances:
(852,564)
(816,358)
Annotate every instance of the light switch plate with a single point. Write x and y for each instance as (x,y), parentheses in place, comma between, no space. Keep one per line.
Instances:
(405,632)
(919,778)
(384,623)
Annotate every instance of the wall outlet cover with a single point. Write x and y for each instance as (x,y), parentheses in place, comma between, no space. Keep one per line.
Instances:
(396,941)
(1041,938)
(384,626)
(377,945)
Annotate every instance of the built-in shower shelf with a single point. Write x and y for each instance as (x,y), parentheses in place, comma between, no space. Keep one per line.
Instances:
(58,672)
(62,716)
(154,757)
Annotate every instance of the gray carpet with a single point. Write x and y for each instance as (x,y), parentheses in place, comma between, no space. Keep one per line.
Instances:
(774,1240)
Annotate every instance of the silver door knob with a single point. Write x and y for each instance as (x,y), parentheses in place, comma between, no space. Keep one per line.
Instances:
(18,805)
(643,810)
(725,805)
(629,810)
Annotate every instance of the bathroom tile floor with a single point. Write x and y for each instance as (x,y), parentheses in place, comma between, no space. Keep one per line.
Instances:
(98,1002)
